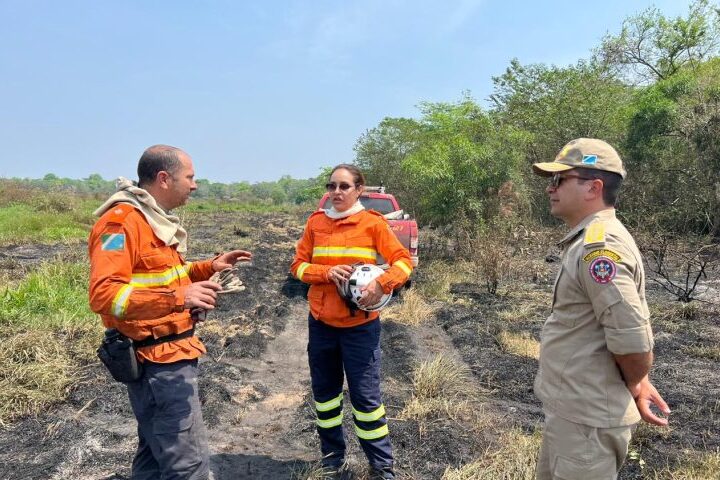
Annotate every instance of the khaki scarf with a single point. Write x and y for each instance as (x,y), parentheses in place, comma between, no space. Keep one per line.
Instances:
(166,227)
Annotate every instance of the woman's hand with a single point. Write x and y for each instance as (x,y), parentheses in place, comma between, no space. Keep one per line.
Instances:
(371,294)
(340,274)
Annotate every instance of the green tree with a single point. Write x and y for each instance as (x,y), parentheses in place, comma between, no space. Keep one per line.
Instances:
(653,47)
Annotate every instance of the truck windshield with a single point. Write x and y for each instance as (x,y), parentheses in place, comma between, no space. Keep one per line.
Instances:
(380,205)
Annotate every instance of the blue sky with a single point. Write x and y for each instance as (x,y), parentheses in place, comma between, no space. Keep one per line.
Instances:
(256,90)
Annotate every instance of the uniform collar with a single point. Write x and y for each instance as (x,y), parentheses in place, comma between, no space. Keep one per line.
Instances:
(606,214)
(351,220)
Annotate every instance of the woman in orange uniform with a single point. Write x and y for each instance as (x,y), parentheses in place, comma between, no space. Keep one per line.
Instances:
(343,338)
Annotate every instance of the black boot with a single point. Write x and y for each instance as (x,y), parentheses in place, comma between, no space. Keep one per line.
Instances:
(384,473)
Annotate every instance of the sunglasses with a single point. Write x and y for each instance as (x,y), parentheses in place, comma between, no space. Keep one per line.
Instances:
(332,186)
(557,180)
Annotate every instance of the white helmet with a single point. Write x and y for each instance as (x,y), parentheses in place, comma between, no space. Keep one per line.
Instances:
(361,277)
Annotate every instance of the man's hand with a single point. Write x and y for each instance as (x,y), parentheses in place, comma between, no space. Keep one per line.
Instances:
(227,260)
(645,395)
(371,294)
(201,294)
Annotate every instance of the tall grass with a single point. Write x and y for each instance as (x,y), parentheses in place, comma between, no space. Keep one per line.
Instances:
(24,223)
(55,295)
(48,332)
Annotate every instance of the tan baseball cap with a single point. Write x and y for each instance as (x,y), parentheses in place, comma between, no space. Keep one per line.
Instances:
(583,153)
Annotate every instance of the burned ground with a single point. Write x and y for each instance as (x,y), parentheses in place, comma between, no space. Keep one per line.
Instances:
(255,386)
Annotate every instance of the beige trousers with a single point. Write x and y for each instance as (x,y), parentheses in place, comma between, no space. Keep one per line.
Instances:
(572,451)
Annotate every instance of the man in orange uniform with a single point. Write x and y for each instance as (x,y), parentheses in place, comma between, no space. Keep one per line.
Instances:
(141,285)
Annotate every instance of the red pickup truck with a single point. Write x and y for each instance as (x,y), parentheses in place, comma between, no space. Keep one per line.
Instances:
(405,229)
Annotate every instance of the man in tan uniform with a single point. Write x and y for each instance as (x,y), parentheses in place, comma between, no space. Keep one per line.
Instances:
(596,349)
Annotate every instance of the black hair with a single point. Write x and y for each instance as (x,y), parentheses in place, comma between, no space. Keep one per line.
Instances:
(611,183)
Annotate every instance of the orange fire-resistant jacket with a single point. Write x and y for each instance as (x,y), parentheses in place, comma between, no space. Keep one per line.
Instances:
(359,238)
(137,284)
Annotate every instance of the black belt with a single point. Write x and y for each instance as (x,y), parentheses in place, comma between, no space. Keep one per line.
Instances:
(167,338)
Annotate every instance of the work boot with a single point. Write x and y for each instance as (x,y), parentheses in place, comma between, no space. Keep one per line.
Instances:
(383,473)
(336,473)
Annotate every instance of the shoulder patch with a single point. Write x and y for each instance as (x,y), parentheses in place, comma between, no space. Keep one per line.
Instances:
(602,252)
(602,270)
(112,242)
(595,234)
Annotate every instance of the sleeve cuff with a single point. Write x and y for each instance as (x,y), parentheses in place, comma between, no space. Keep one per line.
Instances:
(624,341)
(384,283)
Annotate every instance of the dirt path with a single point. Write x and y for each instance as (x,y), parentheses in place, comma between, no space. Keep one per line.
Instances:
(260,445)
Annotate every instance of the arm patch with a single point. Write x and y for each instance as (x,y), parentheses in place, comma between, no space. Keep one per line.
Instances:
(602,252)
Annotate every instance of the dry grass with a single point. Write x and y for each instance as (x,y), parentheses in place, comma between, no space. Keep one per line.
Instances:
(514,460)
(411,310)
(441,377)
(440,275)
(711,352)
(695,466)
(48,333)
(38,367)
(522,344)
(313,471)
(442,389)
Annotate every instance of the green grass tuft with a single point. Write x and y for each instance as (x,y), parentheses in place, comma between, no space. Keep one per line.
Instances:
(55,295)
(21,223)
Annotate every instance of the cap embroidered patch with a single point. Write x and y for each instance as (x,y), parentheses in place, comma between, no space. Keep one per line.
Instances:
(589,159)
(112,242)
(602,253)
(603,270)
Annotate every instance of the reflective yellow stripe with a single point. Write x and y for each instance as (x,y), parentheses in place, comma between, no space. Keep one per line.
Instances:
(359,252)
(403,267)
(158,279)
(371,434)
(301,269)
(330,404)
(188,267)
(331,422)
(376,414)
(119,304)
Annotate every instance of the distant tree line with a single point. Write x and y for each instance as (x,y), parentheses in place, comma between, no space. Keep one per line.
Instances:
(287,190)
(652,91)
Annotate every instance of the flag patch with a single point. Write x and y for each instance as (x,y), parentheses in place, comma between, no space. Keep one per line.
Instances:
(112,242)
(589,159)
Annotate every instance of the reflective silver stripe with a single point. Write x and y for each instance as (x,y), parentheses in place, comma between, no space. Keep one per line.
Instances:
(376,414)
(403,267)
(359,252)
(119,304)
(330,404)
(301,269)
(372,434)
(158,279)
(330,422)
